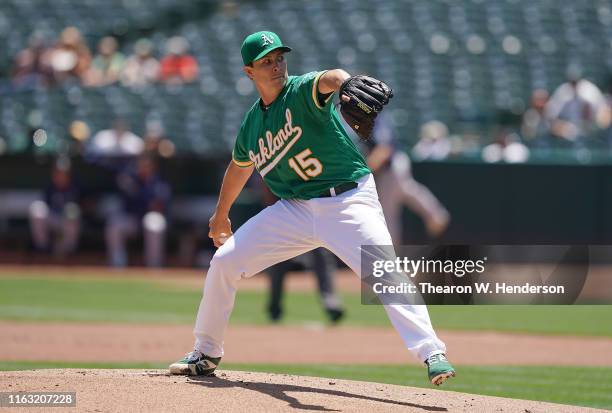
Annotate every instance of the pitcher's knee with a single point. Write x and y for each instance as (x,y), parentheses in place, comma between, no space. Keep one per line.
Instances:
(227,261)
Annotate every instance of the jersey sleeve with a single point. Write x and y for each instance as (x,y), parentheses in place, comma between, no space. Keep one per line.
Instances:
(240,154)
(307,86)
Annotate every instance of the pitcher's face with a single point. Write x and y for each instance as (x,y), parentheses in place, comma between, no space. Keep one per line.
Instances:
(270,71)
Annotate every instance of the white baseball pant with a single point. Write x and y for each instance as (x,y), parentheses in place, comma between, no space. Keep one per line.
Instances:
(288,228)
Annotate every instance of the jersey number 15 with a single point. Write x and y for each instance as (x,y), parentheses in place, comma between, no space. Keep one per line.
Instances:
(305,165)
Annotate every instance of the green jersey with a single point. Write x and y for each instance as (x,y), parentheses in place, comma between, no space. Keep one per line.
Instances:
(298,144)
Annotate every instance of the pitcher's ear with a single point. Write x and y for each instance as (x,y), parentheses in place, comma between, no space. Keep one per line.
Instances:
(248,70)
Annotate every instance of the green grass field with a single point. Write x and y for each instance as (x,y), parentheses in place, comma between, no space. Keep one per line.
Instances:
(135,301)
(567,385)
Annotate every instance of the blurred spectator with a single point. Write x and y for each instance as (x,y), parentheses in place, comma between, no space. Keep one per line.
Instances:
(106,65)
(396,185)
(178,66)
(118,141)
(506,147)
(32,67)
(434,142)
(577,108)
(141,68)
(58,215)
(155,143)
(78,133)
(70,57)
(145,197)
(535,125)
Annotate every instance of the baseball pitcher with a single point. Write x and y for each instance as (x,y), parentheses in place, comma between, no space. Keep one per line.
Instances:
(293,136)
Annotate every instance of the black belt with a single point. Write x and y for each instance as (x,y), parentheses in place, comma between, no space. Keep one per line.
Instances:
(339,189)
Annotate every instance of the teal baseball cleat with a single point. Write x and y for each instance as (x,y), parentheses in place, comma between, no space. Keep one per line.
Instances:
(439,369)
(195,364)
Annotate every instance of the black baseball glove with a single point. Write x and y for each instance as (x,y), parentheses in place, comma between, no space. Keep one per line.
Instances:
(366,97)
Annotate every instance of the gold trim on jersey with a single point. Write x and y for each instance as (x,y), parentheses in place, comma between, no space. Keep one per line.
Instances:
(243,164)
(315,88)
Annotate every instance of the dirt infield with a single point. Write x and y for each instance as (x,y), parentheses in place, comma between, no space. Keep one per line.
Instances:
(286,344)
(236,391)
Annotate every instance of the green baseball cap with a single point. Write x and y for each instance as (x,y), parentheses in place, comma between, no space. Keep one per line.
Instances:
(257,45)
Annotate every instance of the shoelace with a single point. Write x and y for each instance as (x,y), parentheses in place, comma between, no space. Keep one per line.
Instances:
(436,358)
(194,355)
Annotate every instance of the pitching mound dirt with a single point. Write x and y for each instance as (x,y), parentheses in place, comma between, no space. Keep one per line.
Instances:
(235,391)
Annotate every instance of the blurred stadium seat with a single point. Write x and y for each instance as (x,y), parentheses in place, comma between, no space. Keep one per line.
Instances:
(465,63)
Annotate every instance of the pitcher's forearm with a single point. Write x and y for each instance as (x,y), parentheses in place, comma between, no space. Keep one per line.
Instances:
(331,80)
(234,180)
